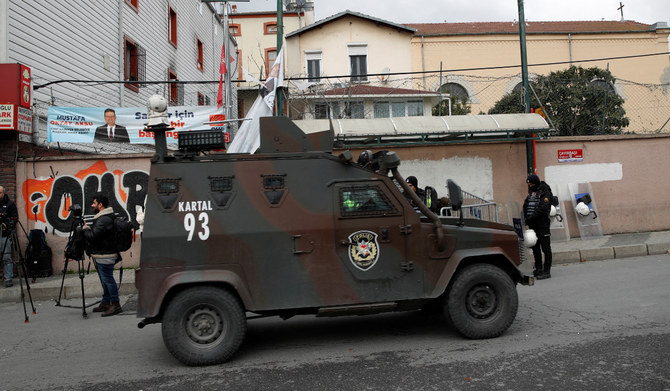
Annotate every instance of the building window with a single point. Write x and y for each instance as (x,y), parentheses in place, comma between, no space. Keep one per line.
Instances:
(457,92)
(172,23)
(321,111)
(134,64)
(134,4)
(270,57)
(201,99)
(381,109)
(385,109)
(235,29)
(270,28)
(358,61)
(604,85)
(354,110)
(313,66)
(200,55)
(176,89)
(415,108)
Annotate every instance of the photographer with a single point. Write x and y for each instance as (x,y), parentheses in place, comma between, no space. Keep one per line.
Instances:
(8,218)
(100,240)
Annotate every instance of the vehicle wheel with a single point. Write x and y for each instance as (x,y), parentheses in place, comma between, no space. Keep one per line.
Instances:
(482,301)
(204,326)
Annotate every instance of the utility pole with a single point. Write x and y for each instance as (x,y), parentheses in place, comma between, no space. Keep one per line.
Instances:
(228,104)
(280,41)
(530,143)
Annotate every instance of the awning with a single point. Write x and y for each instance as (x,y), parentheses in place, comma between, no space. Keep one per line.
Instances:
(403,130)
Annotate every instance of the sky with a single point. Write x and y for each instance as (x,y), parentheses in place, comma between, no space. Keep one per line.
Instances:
(454,11)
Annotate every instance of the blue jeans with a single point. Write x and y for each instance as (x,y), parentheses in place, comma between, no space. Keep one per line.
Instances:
(110,292)
(6,246)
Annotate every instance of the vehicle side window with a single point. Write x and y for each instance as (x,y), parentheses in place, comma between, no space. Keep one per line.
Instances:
(364,201)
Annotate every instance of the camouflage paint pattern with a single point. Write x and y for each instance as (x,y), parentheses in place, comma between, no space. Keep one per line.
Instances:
(274,228)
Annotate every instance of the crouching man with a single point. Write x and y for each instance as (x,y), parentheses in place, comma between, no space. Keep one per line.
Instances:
(101,247)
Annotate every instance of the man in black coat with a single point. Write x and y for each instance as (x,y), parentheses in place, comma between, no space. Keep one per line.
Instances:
(9,216)
(111,132)
(100,239)
(536,209)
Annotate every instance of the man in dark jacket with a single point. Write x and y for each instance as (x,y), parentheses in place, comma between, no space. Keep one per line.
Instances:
(9,215)
(536,209)
(414,185)
(100,239)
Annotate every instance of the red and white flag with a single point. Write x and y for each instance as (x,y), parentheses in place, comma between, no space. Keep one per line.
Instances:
(222,71)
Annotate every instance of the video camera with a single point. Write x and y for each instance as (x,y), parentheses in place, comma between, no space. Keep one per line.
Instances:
(76,245)
(5,219)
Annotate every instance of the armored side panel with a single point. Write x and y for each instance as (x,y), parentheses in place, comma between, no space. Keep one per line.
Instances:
(280,134)
(298,231)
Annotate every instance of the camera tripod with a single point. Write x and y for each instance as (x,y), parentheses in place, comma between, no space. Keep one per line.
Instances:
(21,266)
(74,251)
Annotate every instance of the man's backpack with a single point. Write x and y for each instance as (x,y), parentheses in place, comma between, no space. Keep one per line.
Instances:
(552,198)
(38,255)
(124,233)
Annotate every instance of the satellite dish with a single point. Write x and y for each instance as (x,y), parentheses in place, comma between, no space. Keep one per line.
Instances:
(385,74)
(290,5)
(297,5)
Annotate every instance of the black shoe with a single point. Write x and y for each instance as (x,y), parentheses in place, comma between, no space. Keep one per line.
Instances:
(544,276)
(547,275)
(8,283)
(537,273)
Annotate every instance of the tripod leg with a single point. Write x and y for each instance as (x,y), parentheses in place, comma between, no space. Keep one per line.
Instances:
(23,269)
(83,296)
(60,293)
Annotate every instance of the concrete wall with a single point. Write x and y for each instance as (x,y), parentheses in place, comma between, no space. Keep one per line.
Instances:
(626,173)
(48,187)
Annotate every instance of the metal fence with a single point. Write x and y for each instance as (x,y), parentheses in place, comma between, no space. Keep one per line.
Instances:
(473,207)
(645,105)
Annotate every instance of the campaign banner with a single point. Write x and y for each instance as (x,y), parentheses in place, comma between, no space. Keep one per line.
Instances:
(123,124)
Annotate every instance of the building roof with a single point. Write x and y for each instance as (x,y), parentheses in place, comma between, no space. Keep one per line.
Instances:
(572,27)
(351,13)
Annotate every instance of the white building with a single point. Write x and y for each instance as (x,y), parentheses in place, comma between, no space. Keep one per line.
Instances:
(86,53)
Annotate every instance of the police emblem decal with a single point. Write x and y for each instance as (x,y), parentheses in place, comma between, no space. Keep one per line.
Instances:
(363,249)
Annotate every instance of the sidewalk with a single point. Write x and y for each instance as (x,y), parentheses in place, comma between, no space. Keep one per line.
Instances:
(48,289)
(571,251)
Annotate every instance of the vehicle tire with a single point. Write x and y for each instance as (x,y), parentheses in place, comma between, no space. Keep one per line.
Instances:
(203,326)
(482,301)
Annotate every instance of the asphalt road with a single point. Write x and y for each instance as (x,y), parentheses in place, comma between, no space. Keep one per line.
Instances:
(593,326)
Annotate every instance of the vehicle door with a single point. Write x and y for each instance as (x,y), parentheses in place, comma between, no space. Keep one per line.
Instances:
(371,234)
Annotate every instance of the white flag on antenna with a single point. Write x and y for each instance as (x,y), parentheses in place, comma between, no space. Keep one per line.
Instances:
(275,79)
(248,137)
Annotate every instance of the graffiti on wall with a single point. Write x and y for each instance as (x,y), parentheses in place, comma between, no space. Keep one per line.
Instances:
(47,201)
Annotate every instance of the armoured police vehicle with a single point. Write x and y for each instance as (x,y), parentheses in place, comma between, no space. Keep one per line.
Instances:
(297,229)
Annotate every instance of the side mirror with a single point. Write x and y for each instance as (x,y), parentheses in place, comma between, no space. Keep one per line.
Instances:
(455,195)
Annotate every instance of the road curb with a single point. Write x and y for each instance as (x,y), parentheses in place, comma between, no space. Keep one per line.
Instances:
(11,295)
(658,248)
(633,250)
